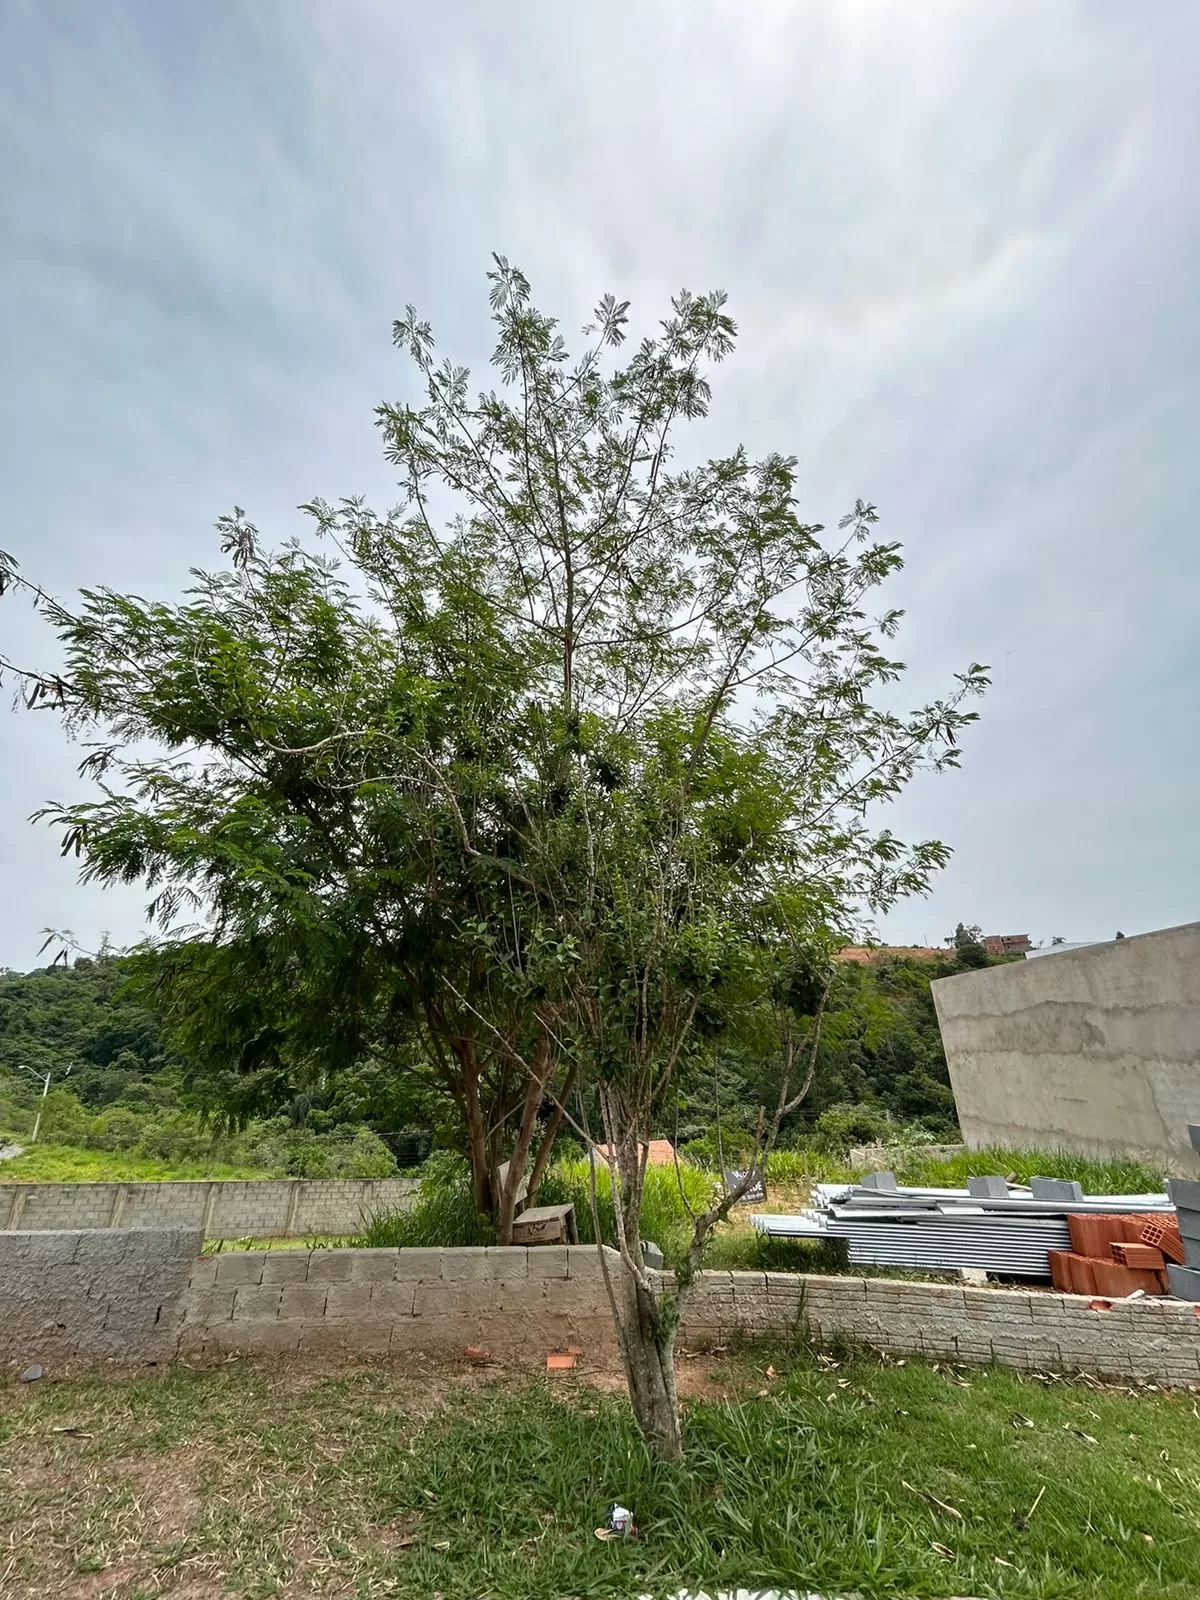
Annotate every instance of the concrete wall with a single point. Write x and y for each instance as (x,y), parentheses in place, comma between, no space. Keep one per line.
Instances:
(143,1296)
(1031,1330)
(1095,1050)
(222,1208)
(115,1294)
(516,1302)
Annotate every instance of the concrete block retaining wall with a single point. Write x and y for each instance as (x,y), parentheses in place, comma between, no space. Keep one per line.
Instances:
(1032,1330)
(516,1302)
(83,1295)
(227,1208)
(136,1295)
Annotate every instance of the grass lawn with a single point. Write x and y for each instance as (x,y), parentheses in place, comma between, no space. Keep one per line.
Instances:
(259,1479)
(63,1163)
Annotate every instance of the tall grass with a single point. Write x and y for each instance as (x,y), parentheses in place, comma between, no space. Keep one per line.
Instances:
(1116,1175)
(442,1215)
(665,1217)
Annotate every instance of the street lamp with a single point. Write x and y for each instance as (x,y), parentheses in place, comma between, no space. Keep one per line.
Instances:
(44,1079)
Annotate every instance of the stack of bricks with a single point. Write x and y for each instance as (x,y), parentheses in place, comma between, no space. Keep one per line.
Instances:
(1110,1256)
(1184,1269)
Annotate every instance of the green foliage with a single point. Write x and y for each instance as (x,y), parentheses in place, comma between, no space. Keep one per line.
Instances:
(664,1215)
(442,1215)
(54,1163)
(83,1018)
(840,1127)
(596,759)
(1115,1175)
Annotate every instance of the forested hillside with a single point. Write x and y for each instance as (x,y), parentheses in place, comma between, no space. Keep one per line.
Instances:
(881,1070)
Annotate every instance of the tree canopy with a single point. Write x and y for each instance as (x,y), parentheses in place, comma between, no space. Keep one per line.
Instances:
(568,767)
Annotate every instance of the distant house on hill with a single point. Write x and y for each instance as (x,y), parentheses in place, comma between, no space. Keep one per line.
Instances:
(1007,944)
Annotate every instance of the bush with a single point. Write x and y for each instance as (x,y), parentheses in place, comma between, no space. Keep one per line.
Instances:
(301,1152)
(842,1126)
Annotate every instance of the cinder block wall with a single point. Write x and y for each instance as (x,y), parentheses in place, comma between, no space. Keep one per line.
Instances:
(113,1294)
(1031,1330)
(222,1208)
(515,1302)
(140,1295)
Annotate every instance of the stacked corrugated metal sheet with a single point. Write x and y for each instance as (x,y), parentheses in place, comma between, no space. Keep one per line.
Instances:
(991,1226)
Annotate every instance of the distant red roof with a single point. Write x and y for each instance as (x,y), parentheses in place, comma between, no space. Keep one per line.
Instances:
(662,1153)
(1006,944)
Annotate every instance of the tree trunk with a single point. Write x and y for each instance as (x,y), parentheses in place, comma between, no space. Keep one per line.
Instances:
(648,1351)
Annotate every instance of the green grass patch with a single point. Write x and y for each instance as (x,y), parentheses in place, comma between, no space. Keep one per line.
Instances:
(442,1214)
(261,1479)
(665,1217)
(1116,1175)
(53,1163)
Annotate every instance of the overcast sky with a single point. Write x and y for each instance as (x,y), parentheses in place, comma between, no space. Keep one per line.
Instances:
(961,243)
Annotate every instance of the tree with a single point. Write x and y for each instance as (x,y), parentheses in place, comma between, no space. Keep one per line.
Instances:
(582,785)
(969,946)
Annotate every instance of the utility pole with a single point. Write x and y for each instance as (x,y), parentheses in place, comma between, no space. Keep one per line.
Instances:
(44,1080)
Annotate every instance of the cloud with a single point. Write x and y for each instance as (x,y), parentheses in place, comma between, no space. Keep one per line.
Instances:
(959,242)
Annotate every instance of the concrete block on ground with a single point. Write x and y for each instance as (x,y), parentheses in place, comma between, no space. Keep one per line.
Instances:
(1194,1135)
